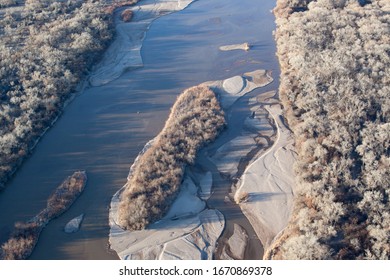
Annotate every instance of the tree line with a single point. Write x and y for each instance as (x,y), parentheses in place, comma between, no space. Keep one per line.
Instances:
(335,88)
(46,48)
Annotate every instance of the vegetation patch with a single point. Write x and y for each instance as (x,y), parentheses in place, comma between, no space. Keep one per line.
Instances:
(119,3)
(196,119)
(335,84)
(26,234)
(127,15)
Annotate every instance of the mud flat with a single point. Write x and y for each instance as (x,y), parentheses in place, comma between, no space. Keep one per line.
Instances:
(259,163)
(231,89)
(254,136)
(235,246)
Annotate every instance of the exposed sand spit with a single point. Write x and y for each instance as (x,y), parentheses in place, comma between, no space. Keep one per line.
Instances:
(125,52)
(74,224)
(255,135)
(269,182)
(229,155)
(188,231)
(231,89)
(243,46)
(235,245)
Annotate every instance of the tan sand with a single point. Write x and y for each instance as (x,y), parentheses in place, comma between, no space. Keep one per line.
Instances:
(231,89)
(234,246)
(269,182)
(74,224)
(125,51)
(181,233)
(229,155)
(188,231)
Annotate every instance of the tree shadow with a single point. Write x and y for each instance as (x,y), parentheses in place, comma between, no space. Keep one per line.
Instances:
(257,197)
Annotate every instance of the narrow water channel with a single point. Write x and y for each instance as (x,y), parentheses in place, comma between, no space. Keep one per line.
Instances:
(104,128)
(221,198)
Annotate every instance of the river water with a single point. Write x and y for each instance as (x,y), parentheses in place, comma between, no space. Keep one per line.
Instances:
(104,128)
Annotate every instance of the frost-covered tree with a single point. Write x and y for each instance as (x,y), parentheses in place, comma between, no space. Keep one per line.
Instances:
(46,48)
(335,58)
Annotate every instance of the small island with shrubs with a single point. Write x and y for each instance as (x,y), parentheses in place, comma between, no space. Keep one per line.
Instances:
(195,120)
(26,234)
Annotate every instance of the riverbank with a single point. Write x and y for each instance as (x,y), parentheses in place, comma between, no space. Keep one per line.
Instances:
(334,58)
(124,53)
(265,190)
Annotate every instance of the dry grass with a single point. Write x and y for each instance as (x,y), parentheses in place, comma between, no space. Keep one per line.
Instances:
(25,235)
(196,119)
(64,196)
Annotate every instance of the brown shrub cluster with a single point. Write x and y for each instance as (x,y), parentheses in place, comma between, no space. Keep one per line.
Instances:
(196,119)
(335,85)
(127,15)
(119,3)
(64,196)
(22,241)
(25,235)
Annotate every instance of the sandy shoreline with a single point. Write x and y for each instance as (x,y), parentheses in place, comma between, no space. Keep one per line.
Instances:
(243,46)
(179,235)
(268,183)
(125,51)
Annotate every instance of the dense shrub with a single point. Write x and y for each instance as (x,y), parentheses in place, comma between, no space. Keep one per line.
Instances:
(335,86)
(25,235)
(127,15)
(196,119)
(7,3)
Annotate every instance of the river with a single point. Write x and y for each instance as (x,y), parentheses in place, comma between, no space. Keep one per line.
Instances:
(103,129)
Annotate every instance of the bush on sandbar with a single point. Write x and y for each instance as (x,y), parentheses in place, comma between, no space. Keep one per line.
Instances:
(196,119)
